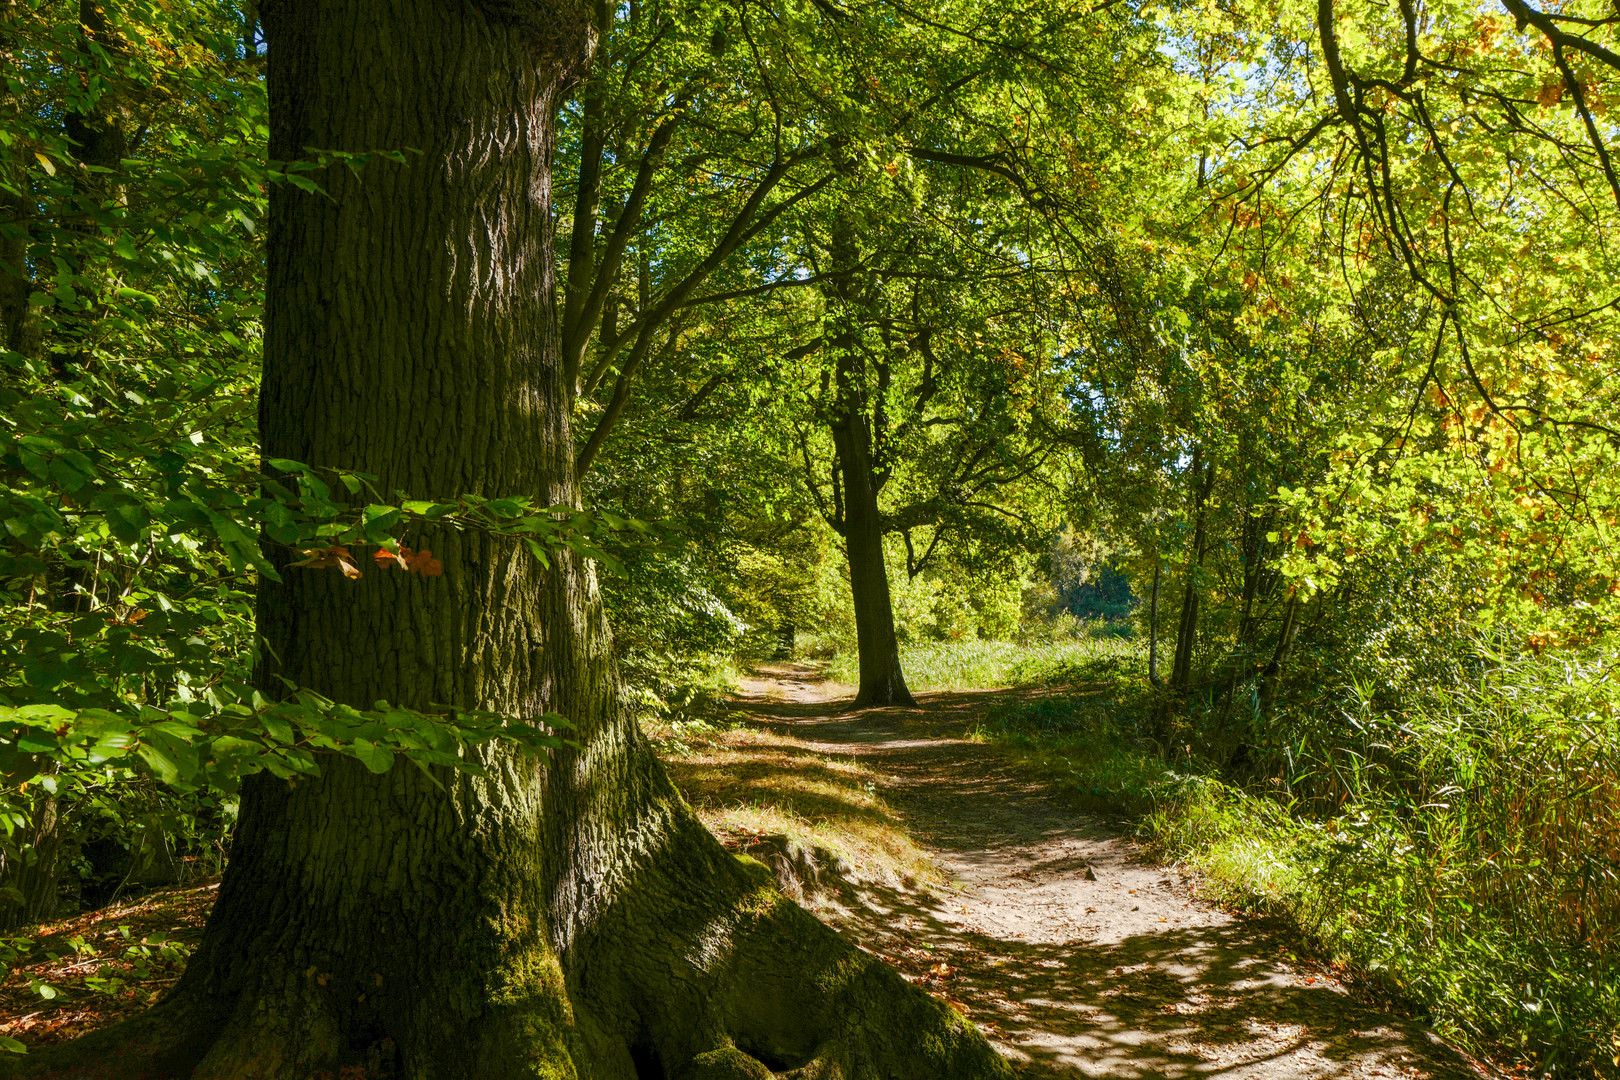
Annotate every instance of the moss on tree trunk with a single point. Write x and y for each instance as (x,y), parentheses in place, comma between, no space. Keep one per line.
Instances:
(565,918)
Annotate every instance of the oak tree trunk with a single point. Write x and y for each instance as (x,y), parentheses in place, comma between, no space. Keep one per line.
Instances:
(560,918)
(882,681)
(855,415)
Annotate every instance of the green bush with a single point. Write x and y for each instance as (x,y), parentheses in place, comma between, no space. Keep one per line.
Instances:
(1461,844)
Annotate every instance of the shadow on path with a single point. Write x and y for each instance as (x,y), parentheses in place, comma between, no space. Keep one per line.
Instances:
(1076,955)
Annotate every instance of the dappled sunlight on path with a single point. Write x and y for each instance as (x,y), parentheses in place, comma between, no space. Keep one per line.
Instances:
(1077,956)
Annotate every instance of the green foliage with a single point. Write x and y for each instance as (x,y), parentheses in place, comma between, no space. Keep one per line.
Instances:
(1305,324)
(132,189)
(236,732)
(1457,843)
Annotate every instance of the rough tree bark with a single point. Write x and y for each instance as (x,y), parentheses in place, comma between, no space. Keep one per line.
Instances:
(561,918)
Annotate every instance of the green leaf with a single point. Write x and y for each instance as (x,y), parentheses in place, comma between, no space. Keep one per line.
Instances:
(379,519)
(160,762)
(279,729)
(378,759)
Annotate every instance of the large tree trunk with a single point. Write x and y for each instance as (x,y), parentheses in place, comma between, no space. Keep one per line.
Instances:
(561,918)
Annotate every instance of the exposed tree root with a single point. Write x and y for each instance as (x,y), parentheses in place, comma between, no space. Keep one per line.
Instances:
(713,968)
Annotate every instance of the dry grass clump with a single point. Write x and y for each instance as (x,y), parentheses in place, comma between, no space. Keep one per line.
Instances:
(748,784)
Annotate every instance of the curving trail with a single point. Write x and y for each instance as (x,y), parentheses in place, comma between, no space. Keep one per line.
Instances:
(1126,975)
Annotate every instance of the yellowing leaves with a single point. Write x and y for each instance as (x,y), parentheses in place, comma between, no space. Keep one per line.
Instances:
(321,558)
(407,559)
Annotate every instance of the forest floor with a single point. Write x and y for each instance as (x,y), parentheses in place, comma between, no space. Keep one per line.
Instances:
(1041,920)
(1032,913)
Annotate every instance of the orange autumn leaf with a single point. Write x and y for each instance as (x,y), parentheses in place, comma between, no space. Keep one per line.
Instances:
(415,562)
(422,562)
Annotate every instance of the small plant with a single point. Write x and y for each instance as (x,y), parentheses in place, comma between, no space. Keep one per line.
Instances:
(142,960)
(13,950)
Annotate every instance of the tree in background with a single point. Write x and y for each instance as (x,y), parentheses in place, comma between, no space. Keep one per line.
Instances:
(930,398)
(715,140)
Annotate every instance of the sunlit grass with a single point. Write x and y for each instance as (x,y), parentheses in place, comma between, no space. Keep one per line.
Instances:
(746,783)
(974,664)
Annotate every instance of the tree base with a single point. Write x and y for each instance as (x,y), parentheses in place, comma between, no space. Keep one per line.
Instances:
(702,972)
(888,694)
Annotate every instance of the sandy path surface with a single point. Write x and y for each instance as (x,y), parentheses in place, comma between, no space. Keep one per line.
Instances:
(1077,956)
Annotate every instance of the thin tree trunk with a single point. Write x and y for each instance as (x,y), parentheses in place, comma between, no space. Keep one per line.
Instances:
(16,215)
(562,918)
(1187,629)
(32,865)
(1271,677)
(15,282)
(1153,628)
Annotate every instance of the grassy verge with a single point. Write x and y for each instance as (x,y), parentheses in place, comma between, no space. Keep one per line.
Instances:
(1461,857)
(972,664)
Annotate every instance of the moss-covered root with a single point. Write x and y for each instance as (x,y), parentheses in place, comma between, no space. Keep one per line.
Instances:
(725,1063)
(301,1028)
(801,997)
(758,987)
(703,973)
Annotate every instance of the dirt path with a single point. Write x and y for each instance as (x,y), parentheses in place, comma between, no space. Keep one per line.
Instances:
(1075,955)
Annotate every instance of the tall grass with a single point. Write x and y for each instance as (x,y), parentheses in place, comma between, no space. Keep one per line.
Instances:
(973,664)
(1082,740)
(1463,848)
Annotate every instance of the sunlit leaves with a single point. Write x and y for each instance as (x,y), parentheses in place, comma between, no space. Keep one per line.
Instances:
(234,732)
